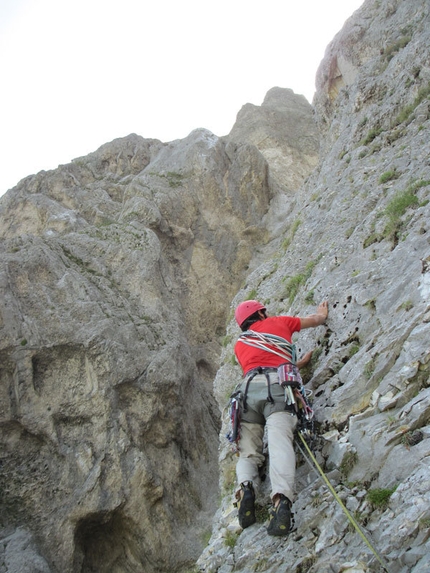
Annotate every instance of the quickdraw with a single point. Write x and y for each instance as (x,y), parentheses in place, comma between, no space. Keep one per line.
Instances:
(305,413)
(233,435)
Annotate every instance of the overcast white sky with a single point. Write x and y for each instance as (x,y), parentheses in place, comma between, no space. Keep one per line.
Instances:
(79,73)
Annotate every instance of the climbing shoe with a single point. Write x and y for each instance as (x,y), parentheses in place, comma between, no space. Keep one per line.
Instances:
(245,505)
(280,518)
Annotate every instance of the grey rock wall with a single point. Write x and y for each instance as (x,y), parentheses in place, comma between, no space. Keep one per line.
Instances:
(356,233)
(116,277)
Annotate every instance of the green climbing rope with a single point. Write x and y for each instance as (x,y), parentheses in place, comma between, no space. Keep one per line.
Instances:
(339,501)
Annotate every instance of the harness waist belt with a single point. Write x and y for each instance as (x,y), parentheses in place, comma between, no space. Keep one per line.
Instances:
(265,371)
(260,370)
(252,374)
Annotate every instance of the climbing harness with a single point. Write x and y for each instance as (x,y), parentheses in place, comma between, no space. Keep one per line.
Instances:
(288,373)
(288,376)
(238,398)
(251,375)
(337,498)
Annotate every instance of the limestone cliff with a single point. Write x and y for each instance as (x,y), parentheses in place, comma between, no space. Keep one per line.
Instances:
(119,273)
(356,233)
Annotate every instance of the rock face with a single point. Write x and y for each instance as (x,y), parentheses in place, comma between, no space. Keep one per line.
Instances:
(356,233)
(116,277)
(285,133)
(119,274)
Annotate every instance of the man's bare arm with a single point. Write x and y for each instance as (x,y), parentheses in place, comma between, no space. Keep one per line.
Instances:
(316,319)
(305,359)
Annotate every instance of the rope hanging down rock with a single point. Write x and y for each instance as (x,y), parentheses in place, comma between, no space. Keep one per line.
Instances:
(339,501)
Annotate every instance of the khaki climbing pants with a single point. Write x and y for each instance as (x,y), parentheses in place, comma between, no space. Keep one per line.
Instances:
(280,435)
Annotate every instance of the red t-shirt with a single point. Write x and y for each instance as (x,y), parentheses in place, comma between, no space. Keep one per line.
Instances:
(250,357)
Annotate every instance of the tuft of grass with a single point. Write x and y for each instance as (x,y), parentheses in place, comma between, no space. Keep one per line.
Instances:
(206,536)
(407,305)
(389,176)
(261,514)
(226,340)
(317,500)
(395,210)
(309,298)
(252,295)
(348,462)
(371,240)
(424,522)
(397,207)
(369,369)
(230,539)
(316,355)
(349,232)
(260,565)
(410,438)
(380,497)
(355,347)
(228,478)
(415,185)
(289,238)
(372,134)
(294,283)
(174,179)
(407,111)
(306,564)
(295,226)
(391,50)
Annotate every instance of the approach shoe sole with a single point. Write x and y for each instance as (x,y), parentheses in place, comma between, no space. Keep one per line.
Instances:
(247,509)
(280,519)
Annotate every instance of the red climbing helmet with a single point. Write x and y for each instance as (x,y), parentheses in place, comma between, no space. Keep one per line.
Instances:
(246,309)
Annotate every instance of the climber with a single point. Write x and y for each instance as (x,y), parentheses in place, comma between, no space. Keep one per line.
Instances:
(263,404)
